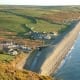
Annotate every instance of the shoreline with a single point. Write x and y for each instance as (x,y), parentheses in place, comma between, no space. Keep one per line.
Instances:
(60,52)
(68,54)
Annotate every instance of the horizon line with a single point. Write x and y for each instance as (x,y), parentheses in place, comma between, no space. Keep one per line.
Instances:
(38,5)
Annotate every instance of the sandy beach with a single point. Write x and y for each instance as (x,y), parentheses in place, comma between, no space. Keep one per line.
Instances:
(51,64)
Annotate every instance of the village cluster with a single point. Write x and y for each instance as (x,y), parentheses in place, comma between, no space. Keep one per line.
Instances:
(41,35)
(13,48)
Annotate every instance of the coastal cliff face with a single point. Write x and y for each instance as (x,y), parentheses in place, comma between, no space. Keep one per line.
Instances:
(51,64)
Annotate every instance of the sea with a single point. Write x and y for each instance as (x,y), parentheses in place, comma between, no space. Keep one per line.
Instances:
(69,68)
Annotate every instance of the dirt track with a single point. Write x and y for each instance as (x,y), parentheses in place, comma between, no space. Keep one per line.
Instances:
(51,64)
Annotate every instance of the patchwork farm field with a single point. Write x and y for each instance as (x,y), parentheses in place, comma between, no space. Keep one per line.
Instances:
(40,19)
(11,22)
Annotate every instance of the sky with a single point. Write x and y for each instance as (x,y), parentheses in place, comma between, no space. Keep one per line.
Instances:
(40,2)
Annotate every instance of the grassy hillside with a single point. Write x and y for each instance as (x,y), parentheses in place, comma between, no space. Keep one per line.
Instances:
(8,70)
(13,21)
(9,73)
(5,57)
(20,20)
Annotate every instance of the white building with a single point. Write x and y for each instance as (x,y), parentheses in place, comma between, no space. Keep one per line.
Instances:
(12,52)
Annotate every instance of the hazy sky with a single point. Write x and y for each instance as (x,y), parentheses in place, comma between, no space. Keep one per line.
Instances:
(41,2)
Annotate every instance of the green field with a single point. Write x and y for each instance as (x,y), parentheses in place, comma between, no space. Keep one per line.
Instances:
(21,20)
(43,26)
(6,58)
(11,22)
